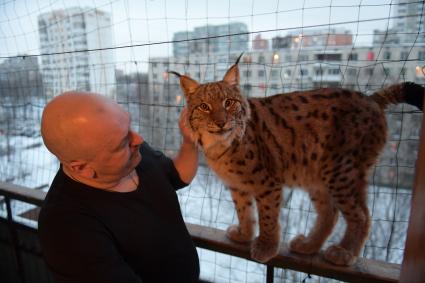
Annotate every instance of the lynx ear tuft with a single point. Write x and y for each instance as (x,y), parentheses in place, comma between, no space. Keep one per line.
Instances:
(239,58)
(232,75)
(174,73)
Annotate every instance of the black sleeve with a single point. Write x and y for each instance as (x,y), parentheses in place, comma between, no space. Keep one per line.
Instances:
(168,167)
(78,249)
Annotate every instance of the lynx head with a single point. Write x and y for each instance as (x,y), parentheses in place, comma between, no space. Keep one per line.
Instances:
(217,111)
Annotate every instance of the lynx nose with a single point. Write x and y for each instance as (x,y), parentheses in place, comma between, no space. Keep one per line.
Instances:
(220,123)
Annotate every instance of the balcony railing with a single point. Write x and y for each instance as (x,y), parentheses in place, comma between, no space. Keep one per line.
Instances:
(18,241)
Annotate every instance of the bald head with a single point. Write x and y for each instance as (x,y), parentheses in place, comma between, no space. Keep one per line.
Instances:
(76,125)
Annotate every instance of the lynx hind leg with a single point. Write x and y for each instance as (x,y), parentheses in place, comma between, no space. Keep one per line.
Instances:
(327,216)
(244,231)
(349,196)
(266,245)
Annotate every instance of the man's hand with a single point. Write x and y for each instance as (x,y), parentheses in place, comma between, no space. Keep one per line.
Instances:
(186,161)
(184,127)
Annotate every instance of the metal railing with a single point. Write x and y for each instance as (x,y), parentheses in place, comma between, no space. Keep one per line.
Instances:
(365,270)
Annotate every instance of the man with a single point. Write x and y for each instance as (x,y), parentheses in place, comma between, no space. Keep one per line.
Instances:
(112,214)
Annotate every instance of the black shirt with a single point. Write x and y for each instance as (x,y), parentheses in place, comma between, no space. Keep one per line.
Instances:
(92,235)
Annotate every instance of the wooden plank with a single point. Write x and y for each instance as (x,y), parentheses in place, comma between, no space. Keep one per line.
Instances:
(413,266)
(22,193)
(365,270)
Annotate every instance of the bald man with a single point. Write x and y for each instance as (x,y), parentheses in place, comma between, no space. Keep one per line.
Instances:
(112,213)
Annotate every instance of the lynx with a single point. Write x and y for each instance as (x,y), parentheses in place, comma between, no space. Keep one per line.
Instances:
(322,140)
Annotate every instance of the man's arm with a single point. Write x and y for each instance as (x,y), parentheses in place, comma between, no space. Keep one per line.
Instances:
(186,161)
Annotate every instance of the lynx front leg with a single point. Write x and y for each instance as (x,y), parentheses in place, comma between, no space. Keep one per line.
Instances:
(244,231)
(266,245)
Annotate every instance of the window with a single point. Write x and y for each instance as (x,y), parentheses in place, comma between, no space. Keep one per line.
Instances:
(247,73)
(352,72)
(404,55)
(274,74)
(303,72)
(247,59)
(387,55)
(333,71)
(352,57)
(303,58)
(79,25)
(328,57)
(319,72)
(261,73)
(261,59)
(421,55)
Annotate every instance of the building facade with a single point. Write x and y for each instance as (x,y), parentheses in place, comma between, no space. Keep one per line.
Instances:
(211,39)
(313,38)
(65,37)
(407,26)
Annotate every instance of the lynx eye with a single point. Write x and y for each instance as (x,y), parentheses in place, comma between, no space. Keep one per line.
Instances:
(228,103)
(204,107)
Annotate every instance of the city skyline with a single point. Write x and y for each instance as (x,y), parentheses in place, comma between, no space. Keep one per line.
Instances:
(152,22)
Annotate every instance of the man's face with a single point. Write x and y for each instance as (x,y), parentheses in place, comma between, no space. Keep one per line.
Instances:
(118,152)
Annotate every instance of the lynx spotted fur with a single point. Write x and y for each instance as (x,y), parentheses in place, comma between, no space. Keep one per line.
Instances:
(323,140)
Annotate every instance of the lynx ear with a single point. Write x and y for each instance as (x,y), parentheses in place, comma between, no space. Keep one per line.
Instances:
(187,84)
(232,75)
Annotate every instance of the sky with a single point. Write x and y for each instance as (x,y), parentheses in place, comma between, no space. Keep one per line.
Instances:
(152,21)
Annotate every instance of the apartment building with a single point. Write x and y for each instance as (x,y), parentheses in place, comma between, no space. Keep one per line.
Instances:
(65,37)
(407,26)
(211,39)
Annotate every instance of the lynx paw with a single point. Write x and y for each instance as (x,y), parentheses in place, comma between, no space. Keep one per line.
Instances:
(263,251)
(302,245)
(234,233)
(339,256)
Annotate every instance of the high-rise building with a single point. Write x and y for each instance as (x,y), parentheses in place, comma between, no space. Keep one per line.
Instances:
(408,21)
(259,43)
(65,37)
(20,78)
(211,39)
(408,25)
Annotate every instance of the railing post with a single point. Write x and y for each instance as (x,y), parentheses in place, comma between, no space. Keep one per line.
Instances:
(270,274)
(15,242)
(413,267)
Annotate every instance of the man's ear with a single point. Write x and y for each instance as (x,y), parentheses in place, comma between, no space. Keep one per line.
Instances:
(81,168)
